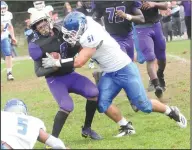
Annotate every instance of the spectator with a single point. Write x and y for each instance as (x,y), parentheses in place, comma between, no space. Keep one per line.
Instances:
(176,19)
(187,8)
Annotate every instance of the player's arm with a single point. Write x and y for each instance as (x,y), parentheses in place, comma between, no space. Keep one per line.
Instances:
(83,56)
(136,17)
(40,71)
(36,54)
(11,29)
(50,140)
(160,5)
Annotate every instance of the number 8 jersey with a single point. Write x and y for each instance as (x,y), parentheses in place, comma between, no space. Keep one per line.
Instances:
(113,24)
(20,131)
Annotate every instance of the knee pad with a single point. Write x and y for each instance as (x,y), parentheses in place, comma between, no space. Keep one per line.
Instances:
(93,92)
(67,106)
(103,105)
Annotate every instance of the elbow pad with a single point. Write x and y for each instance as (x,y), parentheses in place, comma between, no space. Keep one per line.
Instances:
(68,62)
(55,143)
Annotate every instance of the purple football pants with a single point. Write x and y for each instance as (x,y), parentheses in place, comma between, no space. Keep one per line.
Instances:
(61,86)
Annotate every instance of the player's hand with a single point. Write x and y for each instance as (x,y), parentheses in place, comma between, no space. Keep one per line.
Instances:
(121,14)
(14,41)
(50,62)
(148,5)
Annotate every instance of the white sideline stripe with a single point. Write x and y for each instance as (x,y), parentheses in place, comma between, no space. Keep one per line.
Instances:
(4,69)
(183,60)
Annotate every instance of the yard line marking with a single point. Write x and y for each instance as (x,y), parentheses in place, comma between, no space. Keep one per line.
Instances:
(183,60)
(4,69)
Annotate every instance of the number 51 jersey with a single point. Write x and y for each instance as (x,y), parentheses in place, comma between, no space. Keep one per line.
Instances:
(113,24)
(20,131)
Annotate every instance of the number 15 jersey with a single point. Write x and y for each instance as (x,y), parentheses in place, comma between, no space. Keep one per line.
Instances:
(113,24)
(20,131)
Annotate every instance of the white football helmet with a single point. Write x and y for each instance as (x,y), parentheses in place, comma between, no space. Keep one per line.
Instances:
(4,7)
(38,16)
(39,5)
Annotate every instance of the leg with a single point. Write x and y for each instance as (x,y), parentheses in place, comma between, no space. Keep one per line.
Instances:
(108,90)
(146,44)
(160,52)
(135,91)
(59,90)
(6,49)
(84,87)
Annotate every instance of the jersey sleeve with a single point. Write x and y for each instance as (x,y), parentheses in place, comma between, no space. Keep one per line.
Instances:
(35,51)
(91,39)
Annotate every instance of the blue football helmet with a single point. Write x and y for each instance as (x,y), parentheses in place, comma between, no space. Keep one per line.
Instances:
(74,25)
(16,105)
(4,7)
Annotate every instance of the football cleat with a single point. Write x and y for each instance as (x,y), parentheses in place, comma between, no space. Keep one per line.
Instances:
(88,132)
(10,77)
(178,117)
(158,91)
(128,129)
(47,147)
(91,65)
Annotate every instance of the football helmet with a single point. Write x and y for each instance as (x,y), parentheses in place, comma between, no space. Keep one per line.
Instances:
(39,5)
(4,7)
(16,105)
(74,25)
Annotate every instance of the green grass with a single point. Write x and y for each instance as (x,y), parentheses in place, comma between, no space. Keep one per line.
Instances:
(152,130)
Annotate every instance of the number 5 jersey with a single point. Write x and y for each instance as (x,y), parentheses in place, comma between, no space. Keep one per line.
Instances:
(20,131)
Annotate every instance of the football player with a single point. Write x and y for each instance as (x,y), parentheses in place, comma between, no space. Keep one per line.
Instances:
(21,131)
(152,43)
(6,29)
(60,81)
(119,72)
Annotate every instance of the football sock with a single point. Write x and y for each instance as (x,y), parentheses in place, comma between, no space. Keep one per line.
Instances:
(167,111)
(59,121)
(90,107)
(122,122)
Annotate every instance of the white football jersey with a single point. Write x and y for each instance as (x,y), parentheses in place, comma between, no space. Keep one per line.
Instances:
(5,22)
(20,131)
(47,9)
(108,55)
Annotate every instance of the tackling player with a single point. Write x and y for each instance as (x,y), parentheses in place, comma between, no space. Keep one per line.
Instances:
(21,131)
(118,71)
(6,29)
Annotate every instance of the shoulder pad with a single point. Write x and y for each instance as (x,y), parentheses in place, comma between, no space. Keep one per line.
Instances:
(57,26)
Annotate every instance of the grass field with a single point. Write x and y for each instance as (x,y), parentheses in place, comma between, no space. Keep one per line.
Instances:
(152,130)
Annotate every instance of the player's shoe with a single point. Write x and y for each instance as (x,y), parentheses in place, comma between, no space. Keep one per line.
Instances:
(126,130)
(178,117)
(158,91)
(91,65)
(150,87)
(88,132)
(47,147)
(10,77)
